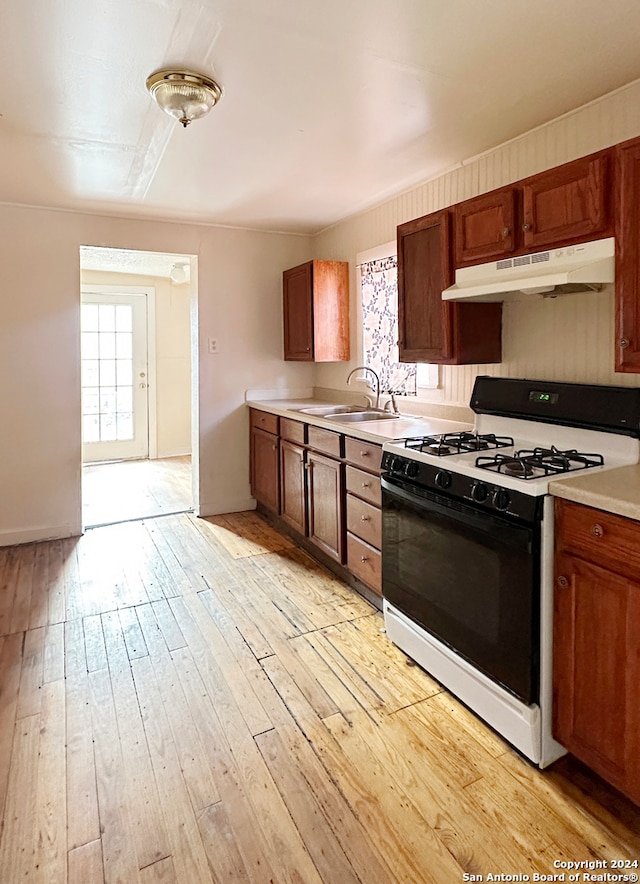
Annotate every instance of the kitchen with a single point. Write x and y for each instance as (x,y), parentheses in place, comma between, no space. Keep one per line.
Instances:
(239,300)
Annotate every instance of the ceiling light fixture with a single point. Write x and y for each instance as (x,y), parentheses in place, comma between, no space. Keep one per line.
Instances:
(184,95)
(178,274)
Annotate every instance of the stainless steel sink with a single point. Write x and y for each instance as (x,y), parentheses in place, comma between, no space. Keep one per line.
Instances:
(327,410)
(356,417)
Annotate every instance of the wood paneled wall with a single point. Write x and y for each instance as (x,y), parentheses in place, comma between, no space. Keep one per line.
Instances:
(568,338)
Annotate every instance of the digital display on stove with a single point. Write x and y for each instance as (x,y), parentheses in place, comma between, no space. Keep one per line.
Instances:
(542,396)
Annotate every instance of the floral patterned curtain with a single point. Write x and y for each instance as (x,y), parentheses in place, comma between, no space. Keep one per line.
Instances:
(380,326)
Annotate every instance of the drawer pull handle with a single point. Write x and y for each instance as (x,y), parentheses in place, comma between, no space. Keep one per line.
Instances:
(364,518)
(364,454)
(597,530)
(364,559)
(563,582)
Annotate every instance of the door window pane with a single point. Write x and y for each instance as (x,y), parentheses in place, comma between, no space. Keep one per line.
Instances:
(107,392)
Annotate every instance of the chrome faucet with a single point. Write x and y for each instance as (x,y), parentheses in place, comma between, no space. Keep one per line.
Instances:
(375,375)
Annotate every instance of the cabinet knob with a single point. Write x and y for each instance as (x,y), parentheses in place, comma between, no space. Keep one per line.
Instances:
(364,454)
(274,447)
(563,582)
(364,518)
(623,343)
(526,226)
(505,232)
(365,484)
(597,530)
(364,559)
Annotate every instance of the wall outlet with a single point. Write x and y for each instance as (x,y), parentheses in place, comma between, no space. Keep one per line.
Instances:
(213,345)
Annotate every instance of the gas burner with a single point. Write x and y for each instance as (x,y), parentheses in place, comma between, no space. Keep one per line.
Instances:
(561,461)
(536,462)
(458,443)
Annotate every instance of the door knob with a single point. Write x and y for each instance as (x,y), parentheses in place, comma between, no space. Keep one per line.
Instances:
(143,386)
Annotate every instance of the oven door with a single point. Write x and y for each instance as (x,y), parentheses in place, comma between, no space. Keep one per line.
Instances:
(470,578)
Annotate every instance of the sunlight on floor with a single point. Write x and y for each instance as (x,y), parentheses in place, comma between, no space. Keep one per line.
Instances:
(123,490)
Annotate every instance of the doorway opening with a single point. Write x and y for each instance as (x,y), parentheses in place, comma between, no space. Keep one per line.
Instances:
(138,384)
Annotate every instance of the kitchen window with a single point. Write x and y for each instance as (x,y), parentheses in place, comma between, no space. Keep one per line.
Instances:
(379,306)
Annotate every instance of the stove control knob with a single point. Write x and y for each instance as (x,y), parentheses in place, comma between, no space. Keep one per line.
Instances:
(442,479)
(479,492)
(501,499)
(397,464)
(412,469)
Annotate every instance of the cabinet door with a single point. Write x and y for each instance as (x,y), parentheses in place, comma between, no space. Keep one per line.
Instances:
(326,495)
(293,491)
(567,204)
(627,288)
(597,669)
(485,227)
(433,330)
(264,472)
(297,294)
(424,270)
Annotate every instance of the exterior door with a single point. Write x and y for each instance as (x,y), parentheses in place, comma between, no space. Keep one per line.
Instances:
(115,421)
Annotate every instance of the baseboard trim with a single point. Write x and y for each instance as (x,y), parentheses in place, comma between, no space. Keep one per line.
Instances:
(36,535)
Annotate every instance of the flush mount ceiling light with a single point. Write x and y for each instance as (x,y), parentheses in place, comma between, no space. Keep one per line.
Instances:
(184,95)
(178,274)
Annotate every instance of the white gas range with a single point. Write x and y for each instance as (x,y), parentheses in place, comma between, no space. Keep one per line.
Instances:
(468,542)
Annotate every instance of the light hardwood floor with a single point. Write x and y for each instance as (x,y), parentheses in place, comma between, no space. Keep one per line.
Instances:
(189,700)
(133,489)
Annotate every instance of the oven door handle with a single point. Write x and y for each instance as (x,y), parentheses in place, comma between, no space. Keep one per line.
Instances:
(458,511)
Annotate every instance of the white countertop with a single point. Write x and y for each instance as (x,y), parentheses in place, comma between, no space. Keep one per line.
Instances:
(614,491)
(378,431)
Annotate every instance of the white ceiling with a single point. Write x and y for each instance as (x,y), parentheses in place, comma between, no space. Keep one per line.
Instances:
(328,107)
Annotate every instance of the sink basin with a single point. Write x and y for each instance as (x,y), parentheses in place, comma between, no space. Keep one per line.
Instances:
(326,410)
(355,417)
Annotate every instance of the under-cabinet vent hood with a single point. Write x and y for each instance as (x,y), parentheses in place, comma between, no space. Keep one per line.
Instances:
(585,267)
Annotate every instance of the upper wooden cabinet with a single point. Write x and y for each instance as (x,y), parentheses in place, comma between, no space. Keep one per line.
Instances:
(627,341)
(564,205)
(430,329)
(484,227)
(316,312)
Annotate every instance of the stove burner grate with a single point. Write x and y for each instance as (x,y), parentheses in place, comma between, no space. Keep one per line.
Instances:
(458,443)
(536,462)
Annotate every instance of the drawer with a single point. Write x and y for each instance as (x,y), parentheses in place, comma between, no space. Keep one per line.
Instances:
(292,431)
(364,485)
(599,537)
(264,421)
(364,562)
(325,441)
(363,454)
(364,520)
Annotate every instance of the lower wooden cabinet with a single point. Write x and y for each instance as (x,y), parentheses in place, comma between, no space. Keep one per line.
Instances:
(365,562)
(293,486)
(326,507)
(264,469)
(325,486)
(597,642)
(364,516)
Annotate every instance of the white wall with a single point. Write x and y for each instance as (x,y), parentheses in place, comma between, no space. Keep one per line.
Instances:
(569,338)
(172,389)
(239,302)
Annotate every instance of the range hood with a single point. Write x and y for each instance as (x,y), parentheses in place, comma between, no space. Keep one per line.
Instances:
(585,267)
